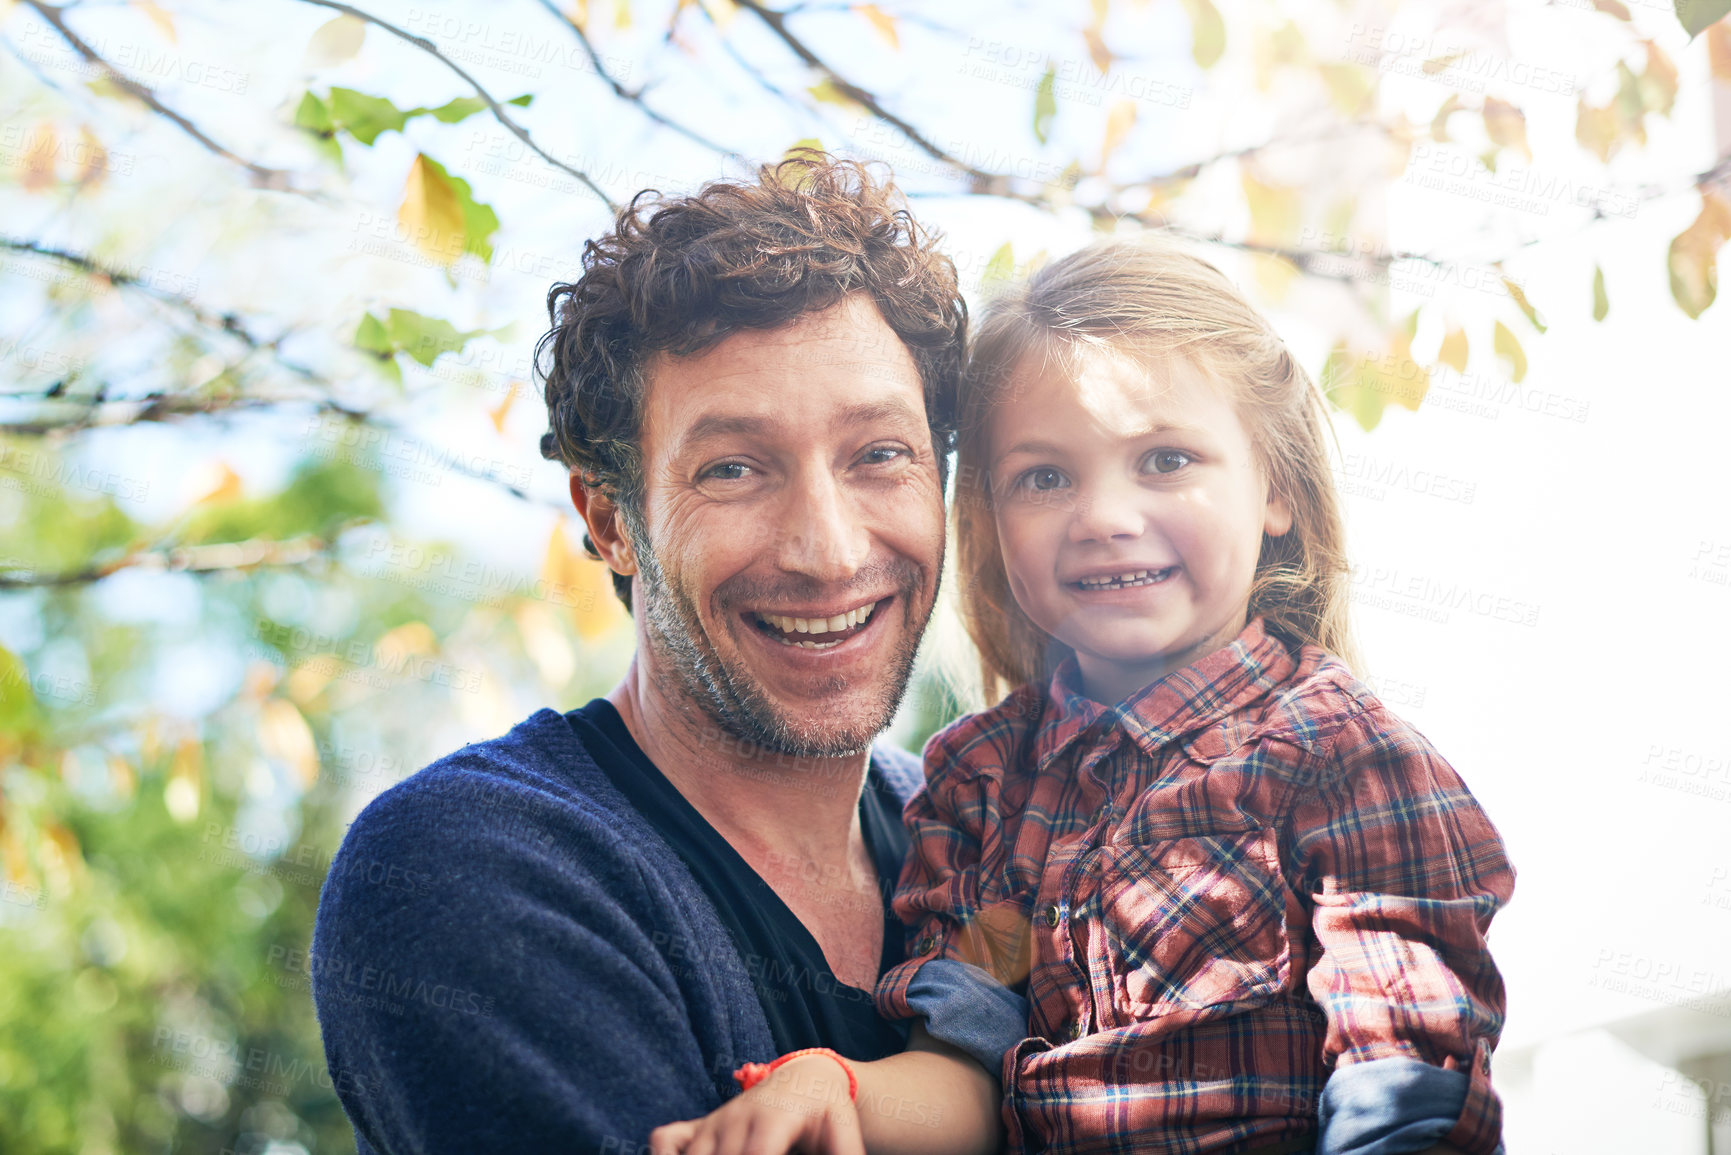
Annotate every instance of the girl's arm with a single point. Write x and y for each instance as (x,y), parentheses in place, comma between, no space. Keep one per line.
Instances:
(931,1099)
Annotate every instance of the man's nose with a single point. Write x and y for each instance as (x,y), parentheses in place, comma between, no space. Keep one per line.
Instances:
(1106,512)
(822,534)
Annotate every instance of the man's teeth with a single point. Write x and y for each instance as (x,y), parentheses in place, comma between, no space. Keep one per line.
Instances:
(1140,577)
(847,621)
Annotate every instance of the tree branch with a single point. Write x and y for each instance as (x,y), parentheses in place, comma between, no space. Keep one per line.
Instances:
(777,23)
(498,111)
(635,95)
(263,177)
(194,559)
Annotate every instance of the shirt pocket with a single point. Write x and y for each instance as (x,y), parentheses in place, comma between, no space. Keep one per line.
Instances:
(1191,927)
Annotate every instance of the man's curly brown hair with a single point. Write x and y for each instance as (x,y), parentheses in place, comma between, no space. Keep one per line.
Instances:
(679,274)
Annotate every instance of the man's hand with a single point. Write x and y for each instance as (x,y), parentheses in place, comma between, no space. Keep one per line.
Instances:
(802,1106)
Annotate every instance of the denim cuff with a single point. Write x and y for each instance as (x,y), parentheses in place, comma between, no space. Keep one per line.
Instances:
(1388,1106)
(967,1008)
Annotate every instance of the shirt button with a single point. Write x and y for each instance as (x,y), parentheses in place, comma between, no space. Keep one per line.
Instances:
(925,945)
(1075,1031)
(1052,916)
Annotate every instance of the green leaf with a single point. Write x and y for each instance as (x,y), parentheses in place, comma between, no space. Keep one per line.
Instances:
(1045,104)
(371,336)
(1207,32)
(365,117)
(1697,15)
(1601,303)
(480,222)
(1000,267)
(1504,343)
(423,337)
(312,115)
(464,107)
(1520,298)
(19,711)
(314,118)
(458,109)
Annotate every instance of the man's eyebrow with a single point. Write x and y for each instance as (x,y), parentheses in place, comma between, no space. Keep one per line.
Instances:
(734,424)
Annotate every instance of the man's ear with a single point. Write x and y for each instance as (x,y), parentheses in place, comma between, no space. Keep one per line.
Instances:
(606,527)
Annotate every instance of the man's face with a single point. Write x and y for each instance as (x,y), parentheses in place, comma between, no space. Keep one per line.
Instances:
(796,530)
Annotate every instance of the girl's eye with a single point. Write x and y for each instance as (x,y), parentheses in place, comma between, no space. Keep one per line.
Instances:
(1043,478)
(1168,460)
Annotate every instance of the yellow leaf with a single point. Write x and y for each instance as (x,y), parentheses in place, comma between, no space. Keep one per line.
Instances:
(1119,121)
(722,12)
(825,90)
(1454,350)
(582,584)
(1504,344)
(43,147)
(1273,211)
(164,23)
(335,41)
(1438,64)
(1439,124)
(622,14)
(498,415)
(214,482)
(1596,130)
(1519,297)
(1659,83)
(882,22)
(431,214)
(1601,302)
(1350,86)
(545,642)
(94,166)
(1694,255)
(409,640)
(1207,32)
(185,787)
(283,735)
(1097,50)
(578,14)
(1719,49)
(312,676)
(1506,125)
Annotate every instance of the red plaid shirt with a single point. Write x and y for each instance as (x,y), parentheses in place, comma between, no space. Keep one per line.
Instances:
(1247,874)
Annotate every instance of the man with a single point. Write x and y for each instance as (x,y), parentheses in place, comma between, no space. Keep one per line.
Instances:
(612,909)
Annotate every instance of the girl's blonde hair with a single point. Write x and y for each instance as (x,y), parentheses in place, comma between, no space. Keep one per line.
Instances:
(1149,298)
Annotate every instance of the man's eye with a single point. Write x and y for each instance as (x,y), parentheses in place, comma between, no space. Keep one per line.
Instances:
(1168,460)
(726,471)
(1043,478)
(884,454)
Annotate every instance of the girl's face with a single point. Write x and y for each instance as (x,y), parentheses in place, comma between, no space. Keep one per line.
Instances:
(1130,510)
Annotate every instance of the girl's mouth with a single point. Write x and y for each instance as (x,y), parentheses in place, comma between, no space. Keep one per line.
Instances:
(1129,579)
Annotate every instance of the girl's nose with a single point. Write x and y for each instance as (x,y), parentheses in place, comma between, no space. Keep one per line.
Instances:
(1105,514)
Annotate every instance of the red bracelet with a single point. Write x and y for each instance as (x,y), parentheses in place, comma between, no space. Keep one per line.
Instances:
(751,1074)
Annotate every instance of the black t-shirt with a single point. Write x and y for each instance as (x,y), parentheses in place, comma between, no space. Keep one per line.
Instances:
(806,1005)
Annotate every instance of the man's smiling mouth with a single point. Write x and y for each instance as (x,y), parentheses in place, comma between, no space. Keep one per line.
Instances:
(815,633)
(1126,580)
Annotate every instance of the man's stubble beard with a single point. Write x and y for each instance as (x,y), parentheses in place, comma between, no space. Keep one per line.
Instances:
(726,692)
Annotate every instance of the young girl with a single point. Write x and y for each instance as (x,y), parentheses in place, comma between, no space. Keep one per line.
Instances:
(1190,887)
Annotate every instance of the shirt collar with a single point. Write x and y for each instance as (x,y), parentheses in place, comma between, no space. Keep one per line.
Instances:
(1185,700)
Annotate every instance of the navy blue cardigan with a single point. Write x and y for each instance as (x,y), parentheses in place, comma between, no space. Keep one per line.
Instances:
(508,956)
